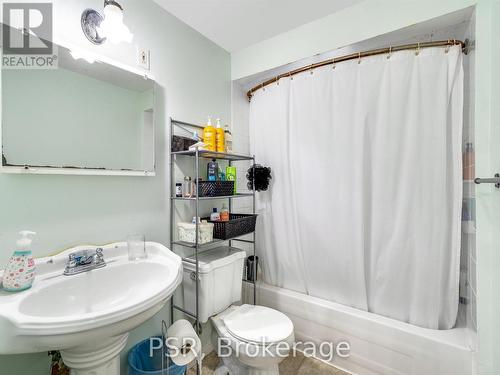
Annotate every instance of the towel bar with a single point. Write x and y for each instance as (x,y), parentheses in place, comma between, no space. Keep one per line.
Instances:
(495,180)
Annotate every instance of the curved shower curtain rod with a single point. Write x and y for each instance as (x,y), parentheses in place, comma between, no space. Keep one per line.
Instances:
(381,51)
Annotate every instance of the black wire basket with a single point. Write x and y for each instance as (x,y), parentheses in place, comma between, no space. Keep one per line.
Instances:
(181,143)
(215,188)
(238,225)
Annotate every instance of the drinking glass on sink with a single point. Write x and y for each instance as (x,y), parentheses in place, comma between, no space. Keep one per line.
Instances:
(136,244)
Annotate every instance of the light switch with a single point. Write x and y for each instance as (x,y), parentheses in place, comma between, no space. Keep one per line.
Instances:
(143,58)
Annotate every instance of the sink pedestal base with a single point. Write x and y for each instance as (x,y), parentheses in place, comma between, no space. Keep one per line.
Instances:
(97,358)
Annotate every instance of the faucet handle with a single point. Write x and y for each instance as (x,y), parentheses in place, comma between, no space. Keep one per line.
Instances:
(99,258)
(72,260)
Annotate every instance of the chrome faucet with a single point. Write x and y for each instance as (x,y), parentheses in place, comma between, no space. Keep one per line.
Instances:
(84,261)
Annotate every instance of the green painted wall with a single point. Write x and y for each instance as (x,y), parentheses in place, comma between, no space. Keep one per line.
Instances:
(193,76)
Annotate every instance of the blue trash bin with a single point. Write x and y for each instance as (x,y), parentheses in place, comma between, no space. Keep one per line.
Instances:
(140,362)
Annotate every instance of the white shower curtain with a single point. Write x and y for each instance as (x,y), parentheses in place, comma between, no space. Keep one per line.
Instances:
(365,203)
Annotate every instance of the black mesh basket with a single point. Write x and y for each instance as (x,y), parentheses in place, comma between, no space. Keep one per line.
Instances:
(181,143)
(238,225)
(215,188)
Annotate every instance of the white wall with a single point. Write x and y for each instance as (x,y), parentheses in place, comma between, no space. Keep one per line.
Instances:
(487,132)
(241,145)
(468,248)
(193,75)
(359,22)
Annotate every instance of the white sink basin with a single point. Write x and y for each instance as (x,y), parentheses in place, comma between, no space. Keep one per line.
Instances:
(78,314)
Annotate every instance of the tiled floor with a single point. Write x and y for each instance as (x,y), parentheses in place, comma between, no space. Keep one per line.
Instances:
(298,365)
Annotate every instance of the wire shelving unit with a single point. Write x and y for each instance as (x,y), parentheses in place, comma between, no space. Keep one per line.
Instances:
(197,156)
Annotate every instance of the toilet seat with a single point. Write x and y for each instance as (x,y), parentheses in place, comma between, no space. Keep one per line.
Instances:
(252,337)
(258,325)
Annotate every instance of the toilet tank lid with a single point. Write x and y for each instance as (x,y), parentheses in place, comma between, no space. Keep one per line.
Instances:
(258,324)
(215,258)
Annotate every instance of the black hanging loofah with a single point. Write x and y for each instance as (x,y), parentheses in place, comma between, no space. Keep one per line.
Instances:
(261,179)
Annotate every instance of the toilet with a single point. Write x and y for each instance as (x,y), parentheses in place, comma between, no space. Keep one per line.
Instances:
(259,337)
(250,340)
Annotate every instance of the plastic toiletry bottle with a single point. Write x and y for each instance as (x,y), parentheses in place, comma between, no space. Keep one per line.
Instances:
(228,137)
(219,137)
(468,162)
(212,170)
(178,189)
(224,213)
(231,176)
(222,175)
(20,271)
(187,188)
(209,135)
(214,216)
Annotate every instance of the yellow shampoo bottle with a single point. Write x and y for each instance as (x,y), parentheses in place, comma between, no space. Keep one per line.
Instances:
(219,138)
(209,136)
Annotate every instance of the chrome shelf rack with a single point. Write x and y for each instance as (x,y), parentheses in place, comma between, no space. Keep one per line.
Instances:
(197,155)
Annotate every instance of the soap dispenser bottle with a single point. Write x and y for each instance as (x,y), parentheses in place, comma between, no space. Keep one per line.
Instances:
(20,271)
(209,137)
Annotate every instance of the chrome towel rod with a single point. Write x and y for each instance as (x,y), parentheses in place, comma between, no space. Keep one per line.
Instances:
(495,180)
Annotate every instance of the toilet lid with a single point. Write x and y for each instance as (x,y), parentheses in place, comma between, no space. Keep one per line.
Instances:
(258,324)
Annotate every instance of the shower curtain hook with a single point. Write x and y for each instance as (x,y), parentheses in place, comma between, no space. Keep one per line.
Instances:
(390,52)
(290,75)
(333,63)
(263,87)
(311,68)
(277,81)
(417,52)
(359,58)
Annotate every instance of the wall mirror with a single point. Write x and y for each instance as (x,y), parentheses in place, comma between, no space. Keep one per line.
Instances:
(87,116)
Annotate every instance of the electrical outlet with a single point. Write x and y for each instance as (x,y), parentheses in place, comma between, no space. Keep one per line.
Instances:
(143,58)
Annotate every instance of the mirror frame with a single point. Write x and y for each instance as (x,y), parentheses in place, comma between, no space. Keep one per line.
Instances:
(29,169)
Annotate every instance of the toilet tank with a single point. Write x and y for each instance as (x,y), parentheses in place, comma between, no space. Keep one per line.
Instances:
(220,273)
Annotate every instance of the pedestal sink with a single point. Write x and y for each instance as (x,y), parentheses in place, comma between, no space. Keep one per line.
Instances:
(88,316)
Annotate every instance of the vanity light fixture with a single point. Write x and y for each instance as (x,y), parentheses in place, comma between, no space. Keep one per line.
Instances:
(99,28)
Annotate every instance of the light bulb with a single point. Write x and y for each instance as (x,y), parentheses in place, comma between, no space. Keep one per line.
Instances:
(112,27)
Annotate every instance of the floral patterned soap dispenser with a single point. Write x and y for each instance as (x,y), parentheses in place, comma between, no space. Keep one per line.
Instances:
(20,271)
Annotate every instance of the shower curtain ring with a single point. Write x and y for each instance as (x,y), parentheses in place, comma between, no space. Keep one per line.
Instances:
(447,49)
(333,63)
(359,58)
(263,87)
(277,81)
(417,52)
(390,52)
(311,68)
(290,75)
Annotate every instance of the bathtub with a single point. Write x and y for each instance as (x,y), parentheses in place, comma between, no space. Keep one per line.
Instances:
(378,345)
